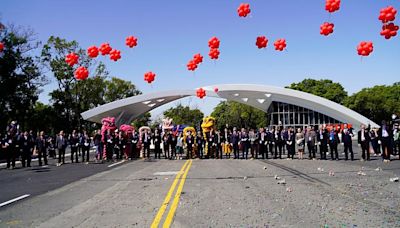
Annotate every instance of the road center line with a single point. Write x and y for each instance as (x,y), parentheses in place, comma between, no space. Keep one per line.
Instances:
(171,213)
(13,200)
(117,163)
(164,205)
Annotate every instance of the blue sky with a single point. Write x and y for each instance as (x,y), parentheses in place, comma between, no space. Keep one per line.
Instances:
(171,32)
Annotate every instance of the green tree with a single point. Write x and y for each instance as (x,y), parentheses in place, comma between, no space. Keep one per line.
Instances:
(65,101)
(119,89)
(236,114)
(20,75)
(184,115)
(143,120)
(324,88)
(377,103)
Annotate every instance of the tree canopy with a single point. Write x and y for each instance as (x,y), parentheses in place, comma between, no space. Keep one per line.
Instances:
(377,103)
(325,88)
(184,115)
(236,114)
(20,75)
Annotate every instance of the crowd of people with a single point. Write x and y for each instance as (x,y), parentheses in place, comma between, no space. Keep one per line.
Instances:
(264,143)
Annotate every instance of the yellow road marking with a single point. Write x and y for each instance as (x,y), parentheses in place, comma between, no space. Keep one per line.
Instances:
(164,206)
(174,204)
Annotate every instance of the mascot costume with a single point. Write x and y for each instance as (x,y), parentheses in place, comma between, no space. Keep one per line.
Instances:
(127,131)
(207,125)
(108,123)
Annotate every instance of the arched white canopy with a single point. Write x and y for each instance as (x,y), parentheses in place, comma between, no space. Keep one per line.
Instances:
(258,96)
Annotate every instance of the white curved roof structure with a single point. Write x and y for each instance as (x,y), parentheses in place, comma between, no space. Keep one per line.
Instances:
(258,96)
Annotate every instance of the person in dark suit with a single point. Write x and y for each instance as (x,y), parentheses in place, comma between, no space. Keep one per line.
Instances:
(41,148)
(211,144)
(253,140)
(26,145)
(157,146)
(146,140)
(244,143)
(200,145)
(291,143)
(322,138)
(310,142)
(363,140)
(8,147)
(278,143)
(189,144)
(270,141)
(74,143)
(173,142)
(86,141)
(218,144)
(235,143)
(61,144)
(134,138)
(347,136)
(333,143)
(262,144)
(385,135)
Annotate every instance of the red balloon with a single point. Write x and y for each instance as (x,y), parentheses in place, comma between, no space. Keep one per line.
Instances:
(326,28)
(365,48)
(200,93)
(149,77)
(81,73)
(131,41)
(214,53)
(389,30)
(387,14)
(1,47)
(280,44)
(191,65)
(198,58)
(115,54)
(93,52)
(332,5)
(244,10)
(216,89)
(105,48)
(213,42)
(71,59)
(261,42)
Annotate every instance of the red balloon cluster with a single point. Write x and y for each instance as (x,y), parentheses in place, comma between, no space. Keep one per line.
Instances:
(105,49)
(71,59)
(200,93)
(280,44)
(191,65)
(81,73)
(214,53)
(389,30)
(93,52)
(149,77)
(115,54)
(131,41)
(387,14)
(197,59)
(326,28)
(365,48)
(261,42)
(332,5)
(244,10)
(213,42)
(1,47)
(216,89)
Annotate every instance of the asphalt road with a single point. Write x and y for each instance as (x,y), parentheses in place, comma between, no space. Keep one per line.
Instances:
(212,193)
